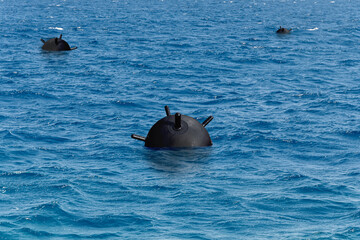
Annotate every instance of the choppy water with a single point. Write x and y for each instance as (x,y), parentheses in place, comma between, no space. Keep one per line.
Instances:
(286,128)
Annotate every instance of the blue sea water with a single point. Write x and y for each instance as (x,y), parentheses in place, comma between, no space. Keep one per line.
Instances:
(286,128)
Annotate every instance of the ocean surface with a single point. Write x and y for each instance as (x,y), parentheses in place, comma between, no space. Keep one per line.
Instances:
(285,160)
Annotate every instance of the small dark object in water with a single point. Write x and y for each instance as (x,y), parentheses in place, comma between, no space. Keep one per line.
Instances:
(283,30)
(177,131)
(56,44)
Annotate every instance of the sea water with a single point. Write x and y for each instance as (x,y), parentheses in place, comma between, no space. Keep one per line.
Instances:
(286,128)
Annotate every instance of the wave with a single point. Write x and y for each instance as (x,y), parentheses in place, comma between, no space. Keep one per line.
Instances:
(21,174)
(8,135)
(26,136)
(292,177)
(31,232)
(111,221)
(264,125)
(26,94)
(350,133)
(126,104)
(317,189)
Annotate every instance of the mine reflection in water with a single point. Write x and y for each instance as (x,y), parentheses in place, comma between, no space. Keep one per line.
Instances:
(177,160)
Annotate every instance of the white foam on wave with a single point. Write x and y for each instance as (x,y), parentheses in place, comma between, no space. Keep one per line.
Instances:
(313,29)
(56,28)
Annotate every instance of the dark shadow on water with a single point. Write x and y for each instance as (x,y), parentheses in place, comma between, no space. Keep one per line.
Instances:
(54,53)
(284,35)
(177,160)
(58,58)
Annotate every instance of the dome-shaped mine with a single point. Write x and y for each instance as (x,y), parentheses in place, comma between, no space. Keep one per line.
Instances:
(177,131)
(56,44)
